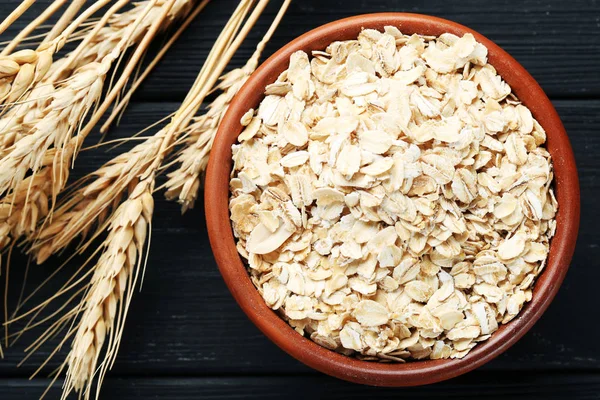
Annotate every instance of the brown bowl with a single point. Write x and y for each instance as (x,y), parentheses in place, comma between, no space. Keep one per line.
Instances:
(418,372)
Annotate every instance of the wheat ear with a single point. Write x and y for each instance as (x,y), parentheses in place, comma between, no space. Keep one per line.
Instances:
(84,207)
(184,182)
(59,122)
(118,268)
(91,203)
(116,274)
(21,70)
(52,142)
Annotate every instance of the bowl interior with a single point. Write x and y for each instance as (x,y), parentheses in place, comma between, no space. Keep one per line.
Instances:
(419,372)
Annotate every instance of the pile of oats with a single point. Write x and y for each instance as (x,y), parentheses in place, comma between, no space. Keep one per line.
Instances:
(391,196)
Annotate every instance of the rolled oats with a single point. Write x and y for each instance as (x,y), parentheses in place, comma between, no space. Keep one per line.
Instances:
(391,196)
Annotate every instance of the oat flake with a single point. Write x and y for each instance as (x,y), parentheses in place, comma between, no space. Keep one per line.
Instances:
(391,196)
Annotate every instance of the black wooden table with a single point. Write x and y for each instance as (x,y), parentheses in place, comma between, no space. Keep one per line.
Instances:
(186,338)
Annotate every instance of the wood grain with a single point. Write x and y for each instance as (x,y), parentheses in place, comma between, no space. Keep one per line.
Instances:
(548,38)
(187,335)
(475,385)
(558,42)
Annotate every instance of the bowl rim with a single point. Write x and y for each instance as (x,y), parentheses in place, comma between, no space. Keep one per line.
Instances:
(276,329)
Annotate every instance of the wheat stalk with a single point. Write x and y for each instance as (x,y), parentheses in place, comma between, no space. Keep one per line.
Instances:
(25,69)
(42,134)
(184,182)
(39,20)
(76,214)
(65,19)
(15,14)
(115,274)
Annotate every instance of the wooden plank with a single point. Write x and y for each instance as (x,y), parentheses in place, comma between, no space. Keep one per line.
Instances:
(185,321)
(532,386)
(557,41)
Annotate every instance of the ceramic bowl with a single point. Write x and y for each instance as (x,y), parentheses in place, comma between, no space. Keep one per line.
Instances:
(411,373)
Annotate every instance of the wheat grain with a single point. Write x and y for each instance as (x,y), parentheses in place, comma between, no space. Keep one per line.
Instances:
(75,215)
(41,135)
(116,273)
(118,268)
(93,202)
(21,70)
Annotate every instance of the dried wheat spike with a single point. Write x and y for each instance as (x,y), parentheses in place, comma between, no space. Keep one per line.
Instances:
(115,276)
(57,125)
(39,136)
(109,36)
(91,203)
(82,209)
(183,183)
(192,159)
